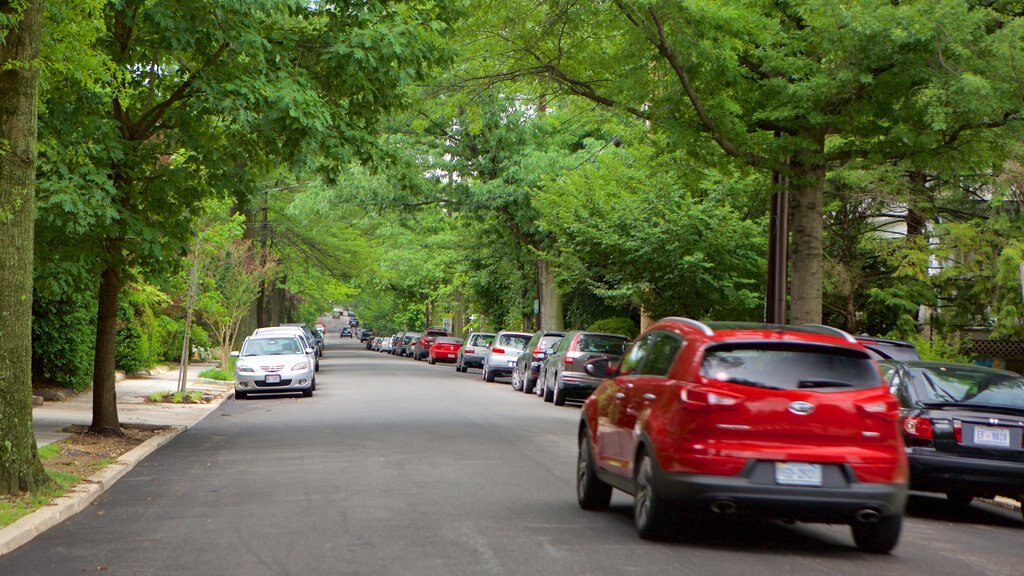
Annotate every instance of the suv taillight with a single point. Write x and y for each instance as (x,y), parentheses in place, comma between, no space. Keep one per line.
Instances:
(707,399)
(537,353)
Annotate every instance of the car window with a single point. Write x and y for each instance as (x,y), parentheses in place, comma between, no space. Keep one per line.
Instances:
(549,342)
(968,385)
(482,339)
(635,355)
(790,366)
(660,354)
(514,341)
(563,345)
(601,344)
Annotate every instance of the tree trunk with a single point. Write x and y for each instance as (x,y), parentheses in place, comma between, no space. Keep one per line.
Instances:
(104,396)
(807,190)
(550,299)
(20,468)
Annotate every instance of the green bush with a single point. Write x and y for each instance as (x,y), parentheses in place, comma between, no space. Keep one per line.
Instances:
(130,350)
(618,325)
(64,339)
(217,374)
(167,338)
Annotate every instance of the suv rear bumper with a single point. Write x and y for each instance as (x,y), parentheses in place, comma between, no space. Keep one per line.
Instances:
(932,471)
(746,496)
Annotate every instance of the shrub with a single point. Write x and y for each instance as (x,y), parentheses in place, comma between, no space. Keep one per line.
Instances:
(217,374)
(130,353)
(617,325)
(64,339)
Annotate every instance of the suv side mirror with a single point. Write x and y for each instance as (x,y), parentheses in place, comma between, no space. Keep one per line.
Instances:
(601,368)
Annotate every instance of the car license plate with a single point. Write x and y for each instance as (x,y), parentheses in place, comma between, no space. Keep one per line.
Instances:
(273,378)
(992,436)
(798,474)
(450,355)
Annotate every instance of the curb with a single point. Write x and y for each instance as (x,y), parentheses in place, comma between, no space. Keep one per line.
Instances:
(80,496)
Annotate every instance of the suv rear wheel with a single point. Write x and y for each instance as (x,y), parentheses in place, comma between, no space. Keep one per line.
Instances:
(517,381)
(650,512)
(878,537)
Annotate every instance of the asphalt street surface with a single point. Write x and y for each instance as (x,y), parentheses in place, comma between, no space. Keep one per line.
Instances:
(395,467)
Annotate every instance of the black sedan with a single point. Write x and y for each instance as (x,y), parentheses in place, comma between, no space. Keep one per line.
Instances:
(963,426)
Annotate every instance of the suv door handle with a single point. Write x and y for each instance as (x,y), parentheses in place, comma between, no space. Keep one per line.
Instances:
(649,397)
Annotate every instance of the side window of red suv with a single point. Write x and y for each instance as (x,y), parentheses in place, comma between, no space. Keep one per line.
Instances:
(661,350)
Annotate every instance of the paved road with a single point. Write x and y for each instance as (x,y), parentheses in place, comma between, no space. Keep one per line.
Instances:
(395,467)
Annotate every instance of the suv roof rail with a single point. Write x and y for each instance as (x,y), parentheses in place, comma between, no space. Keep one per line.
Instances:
(823,329)
(695,323)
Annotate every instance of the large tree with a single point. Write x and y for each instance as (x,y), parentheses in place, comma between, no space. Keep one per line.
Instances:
(20,25)
(795,87)
(203,96)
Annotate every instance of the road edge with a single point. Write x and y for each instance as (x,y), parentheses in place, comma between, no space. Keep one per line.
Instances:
(25,529)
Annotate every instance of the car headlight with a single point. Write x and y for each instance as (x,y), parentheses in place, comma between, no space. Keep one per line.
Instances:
(244,368)
(301,366)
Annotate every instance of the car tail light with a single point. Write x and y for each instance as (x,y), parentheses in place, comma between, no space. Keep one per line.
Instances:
(470,351)
(497,350)
(920,428)
(958,431)
(568,360)
(708,399)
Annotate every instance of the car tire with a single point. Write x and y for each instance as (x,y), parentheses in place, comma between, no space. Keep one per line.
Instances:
(240,395)
(558,395)
(488,375)
(591,492)
(528,387)
(430,361)
(517,381)
(650,511)
(308,392)
(549,394)
(878,537)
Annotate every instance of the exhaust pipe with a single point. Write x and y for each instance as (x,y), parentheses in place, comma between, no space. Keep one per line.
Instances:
(868,516)
(723,507)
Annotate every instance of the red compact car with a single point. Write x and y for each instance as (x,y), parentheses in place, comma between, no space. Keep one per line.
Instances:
(793,423)
(444,349)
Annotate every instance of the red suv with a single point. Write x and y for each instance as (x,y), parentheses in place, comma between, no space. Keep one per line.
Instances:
(786,422)
(421,348)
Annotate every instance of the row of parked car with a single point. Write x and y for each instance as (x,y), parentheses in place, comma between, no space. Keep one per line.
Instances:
(799,423)
(279,359)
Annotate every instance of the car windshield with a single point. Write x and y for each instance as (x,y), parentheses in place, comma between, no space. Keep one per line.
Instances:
(270,347)
(518,341)
(969,385)
(601,344)
(790,367)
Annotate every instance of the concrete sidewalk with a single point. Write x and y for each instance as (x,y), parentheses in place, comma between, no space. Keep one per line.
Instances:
(50,420)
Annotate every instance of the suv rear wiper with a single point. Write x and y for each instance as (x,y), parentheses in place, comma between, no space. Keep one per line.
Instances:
(754,383)
(823,383)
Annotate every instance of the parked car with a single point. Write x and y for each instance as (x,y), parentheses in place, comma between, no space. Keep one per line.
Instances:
(408,341)
(963,426)
(769,421)
(273,363)
(527,368)
(421,348)
(502,355)
(561,374)
(473,351)
(312,336)
(885,349)
(367,337)
(385,344)
(396,343)
(307,344)
(444,349)
(346,332)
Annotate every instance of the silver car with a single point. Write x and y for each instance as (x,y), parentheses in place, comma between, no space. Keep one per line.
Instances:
(504,352)
(298,331)
(472,353)
(273,363)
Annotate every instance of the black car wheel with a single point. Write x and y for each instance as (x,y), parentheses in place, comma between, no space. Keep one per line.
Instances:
(488,375)
(591,492)
(878,537)
(650,512)
(517,381)
(430,360)
(559,395)
(549,394)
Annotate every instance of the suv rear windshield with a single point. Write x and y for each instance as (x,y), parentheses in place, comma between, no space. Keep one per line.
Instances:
(790,367)
(517,341)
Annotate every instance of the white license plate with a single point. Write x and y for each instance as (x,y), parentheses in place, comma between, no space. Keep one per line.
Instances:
(273,378)
(511,363)
(798,474)
(451,355)
(992,436)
